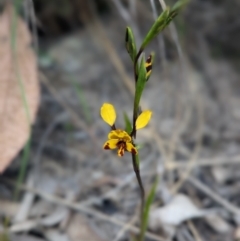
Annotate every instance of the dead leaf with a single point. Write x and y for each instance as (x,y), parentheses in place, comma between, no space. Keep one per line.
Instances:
(237,234)
(218,224)
(180,209)
(24,226)
(8,208)
(55,235)
(55,217)
(24,237)
(18,81)
(79,229)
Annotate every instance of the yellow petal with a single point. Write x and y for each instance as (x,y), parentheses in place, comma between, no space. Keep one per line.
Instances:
(143,119)
(120,135)
(131,148)
(110,144)
(108,113)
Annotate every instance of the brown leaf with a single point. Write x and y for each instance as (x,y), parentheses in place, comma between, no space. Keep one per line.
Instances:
(18,70)
(79,229)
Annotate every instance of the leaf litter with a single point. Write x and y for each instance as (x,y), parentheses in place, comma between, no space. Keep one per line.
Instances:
(19,87)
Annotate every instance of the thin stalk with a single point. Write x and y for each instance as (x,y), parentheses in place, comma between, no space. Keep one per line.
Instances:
(142,191)
(134,160)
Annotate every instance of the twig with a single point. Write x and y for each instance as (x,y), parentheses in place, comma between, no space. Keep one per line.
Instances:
(216,161)
(125,227)
(194,231)
(229,206)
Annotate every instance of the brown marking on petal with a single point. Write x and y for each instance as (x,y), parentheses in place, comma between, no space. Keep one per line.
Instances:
(149,59)
(149,68)
(106,147)
(134,151)
(121,151)
(121,147)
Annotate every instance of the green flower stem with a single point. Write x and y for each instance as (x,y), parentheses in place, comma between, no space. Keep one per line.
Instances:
(135,114)
(135,162)
(139,179)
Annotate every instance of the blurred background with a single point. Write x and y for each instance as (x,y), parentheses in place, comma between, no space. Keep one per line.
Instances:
(73,190)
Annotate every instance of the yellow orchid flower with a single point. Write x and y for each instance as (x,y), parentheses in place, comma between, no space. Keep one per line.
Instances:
(118,138)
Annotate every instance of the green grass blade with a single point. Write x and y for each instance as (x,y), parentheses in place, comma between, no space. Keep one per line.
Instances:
(146,211)
(4,236)
(26,151)
(82,101)
(23,168)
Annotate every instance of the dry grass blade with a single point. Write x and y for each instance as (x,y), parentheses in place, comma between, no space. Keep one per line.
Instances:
(19,88)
